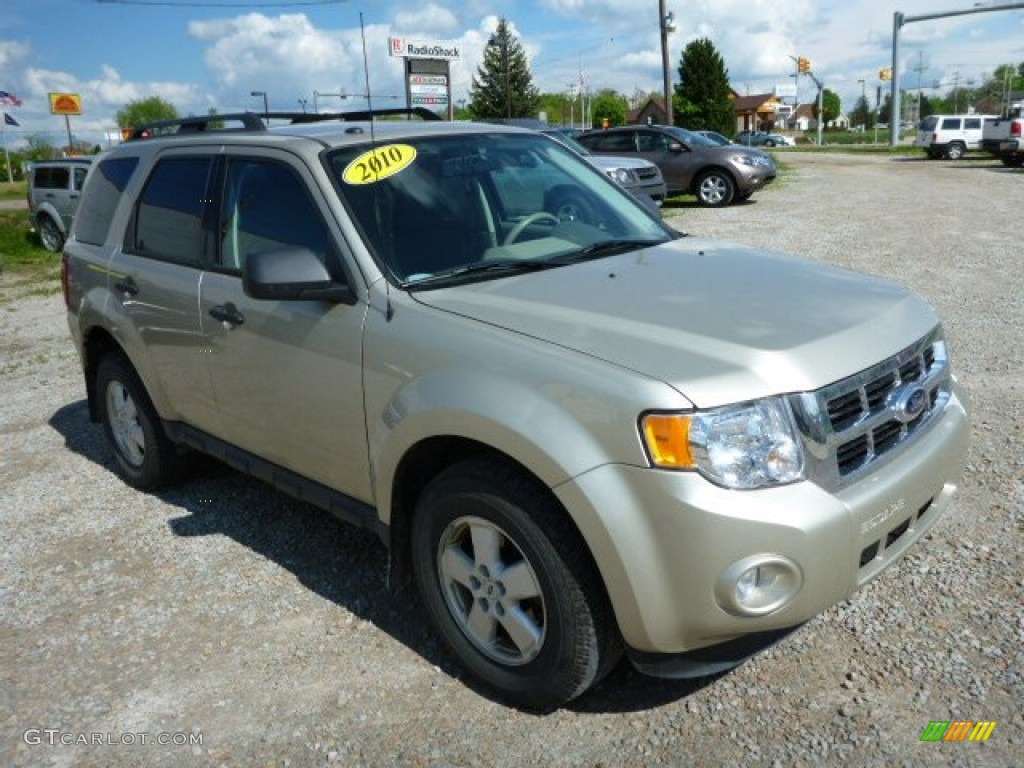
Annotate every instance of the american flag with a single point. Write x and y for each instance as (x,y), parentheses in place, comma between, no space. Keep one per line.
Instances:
(9,99)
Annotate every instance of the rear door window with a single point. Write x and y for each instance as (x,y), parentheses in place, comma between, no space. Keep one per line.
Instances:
(951,124)
(168,221)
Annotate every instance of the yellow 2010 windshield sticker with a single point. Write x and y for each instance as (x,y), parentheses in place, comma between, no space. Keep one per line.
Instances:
(379,163)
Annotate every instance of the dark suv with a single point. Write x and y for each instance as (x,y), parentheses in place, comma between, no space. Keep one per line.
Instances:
(690,163)
(54,187)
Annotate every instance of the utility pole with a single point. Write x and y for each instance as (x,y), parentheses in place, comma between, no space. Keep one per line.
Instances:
(668,24)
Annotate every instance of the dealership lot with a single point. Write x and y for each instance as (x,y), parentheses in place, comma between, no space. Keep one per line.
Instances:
(224,613)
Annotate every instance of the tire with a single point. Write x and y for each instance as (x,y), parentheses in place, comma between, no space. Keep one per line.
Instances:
(955,151)
(1013,162)
(506,581)
(715,189)
(143,455)
(50,235)
(769,143)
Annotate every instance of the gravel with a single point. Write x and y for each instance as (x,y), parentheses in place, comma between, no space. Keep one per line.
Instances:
(226,613)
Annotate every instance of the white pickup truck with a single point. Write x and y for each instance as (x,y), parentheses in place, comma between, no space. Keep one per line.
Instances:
(1004,137)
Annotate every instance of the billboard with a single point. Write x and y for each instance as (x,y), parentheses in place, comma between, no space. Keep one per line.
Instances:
(65,104)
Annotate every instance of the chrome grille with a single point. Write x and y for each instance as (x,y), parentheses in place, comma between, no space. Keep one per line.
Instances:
(852,425)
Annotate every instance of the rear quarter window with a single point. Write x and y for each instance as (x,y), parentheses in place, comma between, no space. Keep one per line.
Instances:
(101,196)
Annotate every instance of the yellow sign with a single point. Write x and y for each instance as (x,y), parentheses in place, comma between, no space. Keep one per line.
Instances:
(378,164)
(65,104)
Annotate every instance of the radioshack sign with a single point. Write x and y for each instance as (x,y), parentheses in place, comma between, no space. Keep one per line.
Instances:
(424,49)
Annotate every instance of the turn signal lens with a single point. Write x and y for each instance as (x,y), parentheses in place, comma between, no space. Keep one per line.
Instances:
(668,440)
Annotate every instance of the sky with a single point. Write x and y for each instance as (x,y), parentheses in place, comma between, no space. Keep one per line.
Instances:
(199,54)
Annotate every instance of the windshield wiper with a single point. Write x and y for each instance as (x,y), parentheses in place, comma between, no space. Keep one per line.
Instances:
(604,248)
(505,267)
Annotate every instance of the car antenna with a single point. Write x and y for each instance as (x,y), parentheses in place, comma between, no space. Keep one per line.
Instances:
(389,310)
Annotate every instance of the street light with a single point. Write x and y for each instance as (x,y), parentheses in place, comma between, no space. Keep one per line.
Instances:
(303,102)
(266,106)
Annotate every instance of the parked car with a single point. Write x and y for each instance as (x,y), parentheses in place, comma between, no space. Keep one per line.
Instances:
(640,177)
(950,136)
(763,139)
(577,436)
(716,137)
(54,187)
(690,163)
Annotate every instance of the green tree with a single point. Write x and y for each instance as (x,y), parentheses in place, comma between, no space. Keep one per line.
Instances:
(832,106)
(702,96)
(40,148)
(503,85)
(143,111)
(610,105)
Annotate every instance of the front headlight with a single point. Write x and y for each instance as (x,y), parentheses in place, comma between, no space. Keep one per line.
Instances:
(754,160)
(621,175)
(742,446)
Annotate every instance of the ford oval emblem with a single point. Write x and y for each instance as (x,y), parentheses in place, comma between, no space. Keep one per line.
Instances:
(910,403)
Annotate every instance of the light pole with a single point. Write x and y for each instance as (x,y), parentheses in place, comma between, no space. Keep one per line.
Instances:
(864,101)
(266,106)
(303,102)
(668,24)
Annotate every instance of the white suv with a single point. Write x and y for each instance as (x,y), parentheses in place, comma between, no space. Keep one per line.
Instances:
(950,136)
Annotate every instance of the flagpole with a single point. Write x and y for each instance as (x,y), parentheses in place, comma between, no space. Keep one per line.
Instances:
(7,155)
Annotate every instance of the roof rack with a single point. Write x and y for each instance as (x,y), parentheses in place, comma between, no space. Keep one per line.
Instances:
(253,122)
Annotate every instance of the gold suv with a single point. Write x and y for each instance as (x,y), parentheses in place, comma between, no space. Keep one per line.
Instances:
(579,432)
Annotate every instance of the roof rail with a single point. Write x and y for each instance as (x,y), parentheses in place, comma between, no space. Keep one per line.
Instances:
(252,122)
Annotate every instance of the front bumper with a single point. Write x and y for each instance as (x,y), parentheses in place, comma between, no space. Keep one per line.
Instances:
(662,540)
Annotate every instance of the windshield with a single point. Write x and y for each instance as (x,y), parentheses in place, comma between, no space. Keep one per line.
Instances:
(465,204)
(689,137)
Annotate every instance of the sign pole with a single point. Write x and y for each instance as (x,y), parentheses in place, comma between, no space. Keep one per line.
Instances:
(67,124)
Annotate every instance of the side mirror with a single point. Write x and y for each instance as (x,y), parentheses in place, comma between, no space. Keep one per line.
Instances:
(675,146)
(291,274)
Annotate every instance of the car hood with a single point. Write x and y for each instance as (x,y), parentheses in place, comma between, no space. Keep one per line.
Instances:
(617,161)
(719,322)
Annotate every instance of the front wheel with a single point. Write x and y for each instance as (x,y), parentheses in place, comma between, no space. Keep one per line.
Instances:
(506,580)
(715,189)
(145,458)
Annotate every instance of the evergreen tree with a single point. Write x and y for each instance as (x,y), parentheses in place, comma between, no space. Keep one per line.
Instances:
(702,95)
(503,85)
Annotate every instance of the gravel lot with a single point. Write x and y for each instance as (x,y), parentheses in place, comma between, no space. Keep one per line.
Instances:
(225,612)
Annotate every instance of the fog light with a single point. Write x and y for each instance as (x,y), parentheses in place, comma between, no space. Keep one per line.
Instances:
(758,585)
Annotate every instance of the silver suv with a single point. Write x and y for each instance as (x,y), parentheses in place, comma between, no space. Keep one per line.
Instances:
(54,188)
(579,435)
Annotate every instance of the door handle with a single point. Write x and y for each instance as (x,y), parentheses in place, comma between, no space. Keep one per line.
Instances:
(127,286)
(228,315)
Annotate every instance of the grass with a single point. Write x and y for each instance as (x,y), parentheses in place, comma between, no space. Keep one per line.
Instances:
(15,191)
(25,265)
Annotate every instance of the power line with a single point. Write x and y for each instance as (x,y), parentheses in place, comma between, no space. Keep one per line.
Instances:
(242,4)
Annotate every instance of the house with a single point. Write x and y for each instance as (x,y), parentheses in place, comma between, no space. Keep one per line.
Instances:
(757,112)
(651,111)
(803,119)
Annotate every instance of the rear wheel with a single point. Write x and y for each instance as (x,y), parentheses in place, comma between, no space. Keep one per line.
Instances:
(1013,162)
(144,457)
(955,151)
(715,189)
(507,582)
(50,235)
